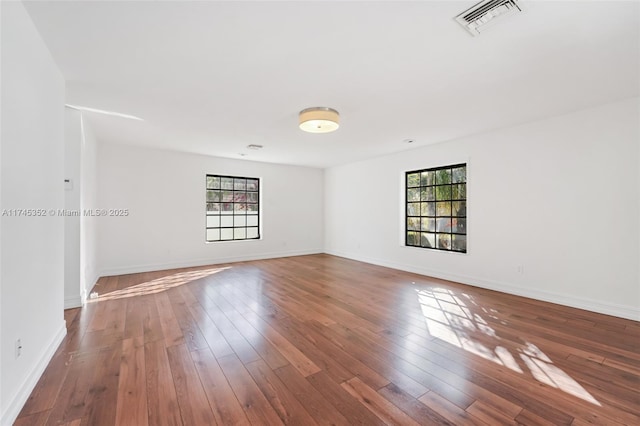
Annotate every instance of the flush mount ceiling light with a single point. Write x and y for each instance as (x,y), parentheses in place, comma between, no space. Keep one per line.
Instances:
(319,120)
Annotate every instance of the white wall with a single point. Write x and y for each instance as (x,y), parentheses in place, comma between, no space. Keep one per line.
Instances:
(558,197)
(165,194)
(73,143)
(80,273)
(88,201)
(32,173)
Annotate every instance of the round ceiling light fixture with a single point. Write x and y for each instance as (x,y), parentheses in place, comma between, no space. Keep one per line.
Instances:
(319,120)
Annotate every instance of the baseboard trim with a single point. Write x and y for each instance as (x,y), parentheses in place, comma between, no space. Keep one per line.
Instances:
(621,311)
(134,269)
(15,405)
(72,302)
(85,291)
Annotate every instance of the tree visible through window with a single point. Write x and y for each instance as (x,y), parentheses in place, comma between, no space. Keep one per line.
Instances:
(233,210)
(436,208)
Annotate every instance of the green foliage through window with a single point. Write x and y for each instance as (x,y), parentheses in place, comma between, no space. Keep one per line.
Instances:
(436,208)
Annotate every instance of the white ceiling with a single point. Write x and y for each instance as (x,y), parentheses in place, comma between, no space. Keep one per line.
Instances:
(214,77)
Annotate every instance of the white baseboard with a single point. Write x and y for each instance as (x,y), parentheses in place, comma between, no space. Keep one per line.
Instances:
(84,292)
(621,311)
(17,402)
(134,269)
(72,302)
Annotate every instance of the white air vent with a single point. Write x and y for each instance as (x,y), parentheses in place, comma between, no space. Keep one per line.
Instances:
(486,13)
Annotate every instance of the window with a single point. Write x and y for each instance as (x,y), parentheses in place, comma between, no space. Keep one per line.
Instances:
(436,208)
(233,208)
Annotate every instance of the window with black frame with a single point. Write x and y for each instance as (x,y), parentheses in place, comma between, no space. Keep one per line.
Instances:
(436,208)
(232,208)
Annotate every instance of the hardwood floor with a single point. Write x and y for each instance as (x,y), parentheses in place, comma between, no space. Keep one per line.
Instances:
(325,340)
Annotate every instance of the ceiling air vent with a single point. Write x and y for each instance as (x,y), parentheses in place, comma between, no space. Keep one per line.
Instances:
(486,13)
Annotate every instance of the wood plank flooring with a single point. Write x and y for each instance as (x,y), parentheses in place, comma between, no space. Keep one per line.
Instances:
(329,341)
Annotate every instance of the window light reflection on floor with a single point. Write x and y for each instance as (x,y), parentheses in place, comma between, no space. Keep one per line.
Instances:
(157,285)
(544,371)
(452,320)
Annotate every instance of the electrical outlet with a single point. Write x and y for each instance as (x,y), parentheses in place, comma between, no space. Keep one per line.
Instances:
(18,348)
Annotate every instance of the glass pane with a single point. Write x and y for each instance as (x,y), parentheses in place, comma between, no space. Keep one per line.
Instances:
(413,223)
(252,232)
(239,233)
(412,238)
(240,207)
(226,234)
(460,243)
(240,221)
(459,174)
(427,240)
(443,176)
(240,197)
(252,220)
(213,207)
(459,225)
(252,184)
(444,241)
(459,192)
(413,180)
(443,225)
(443,192)
(427,194)
(226,221)
(252,197)
(428,178)
(252,208)
(227,208)
(413,194)
(413,209)
(227,196)
(428,209)
(239,184)
(213,182)
(213,196)
(226,183)
(213,234)
(459,208)
(213,221)
(443,208)
(428,224)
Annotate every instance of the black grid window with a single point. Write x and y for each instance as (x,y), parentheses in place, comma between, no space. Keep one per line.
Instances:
(436,208)
(233,208)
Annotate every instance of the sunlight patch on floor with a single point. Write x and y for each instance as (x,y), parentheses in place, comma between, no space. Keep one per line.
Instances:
(452,320)
(157,285)
(544,371)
